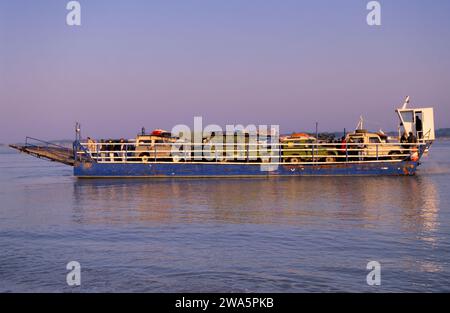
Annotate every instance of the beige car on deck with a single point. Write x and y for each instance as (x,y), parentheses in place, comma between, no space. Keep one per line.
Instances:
(151,147)
(373,145)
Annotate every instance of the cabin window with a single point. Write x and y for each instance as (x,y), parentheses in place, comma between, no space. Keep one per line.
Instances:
(408,116)
(374,140)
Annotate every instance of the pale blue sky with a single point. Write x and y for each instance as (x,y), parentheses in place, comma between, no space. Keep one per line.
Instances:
(159,63)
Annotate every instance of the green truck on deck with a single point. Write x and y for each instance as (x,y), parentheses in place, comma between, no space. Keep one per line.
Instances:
(304,148)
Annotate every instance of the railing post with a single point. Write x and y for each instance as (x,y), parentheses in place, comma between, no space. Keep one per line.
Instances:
(313,146)
(280,160)
(346,152)
(377,150)
(248,151)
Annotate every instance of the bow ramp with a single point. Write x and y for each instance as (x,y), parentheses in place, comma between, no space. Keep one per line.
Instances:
(46,150)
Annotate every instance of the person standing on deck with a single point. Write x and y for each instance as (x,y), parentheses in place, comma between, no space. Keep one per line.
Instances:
(92,147)
(110,148)
(404,140)
(344,147)
(411,140)
(419,127)
(102,150)
(123,149)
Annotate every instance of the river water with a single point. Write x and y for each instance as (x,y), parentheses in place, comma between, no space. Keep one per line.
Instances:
(223,235)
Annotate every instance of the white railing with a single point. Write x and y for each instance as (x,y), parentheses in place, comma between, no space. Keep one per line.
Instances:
(251,153)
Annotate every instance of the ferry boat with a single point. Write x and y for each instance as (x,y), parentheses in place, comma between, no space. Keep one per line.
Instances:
(158,154)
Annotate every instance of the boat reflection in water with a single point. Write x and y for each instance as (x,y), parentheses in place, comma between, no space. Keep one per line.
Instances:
(309,223)
(409,203)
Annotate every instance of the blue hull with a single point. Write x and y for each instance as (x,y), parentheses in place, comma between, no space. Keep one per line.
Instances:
(106,170)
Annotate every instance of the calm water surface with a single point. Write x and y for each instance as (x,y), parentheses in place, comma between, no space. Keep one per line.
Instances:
(223,235)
